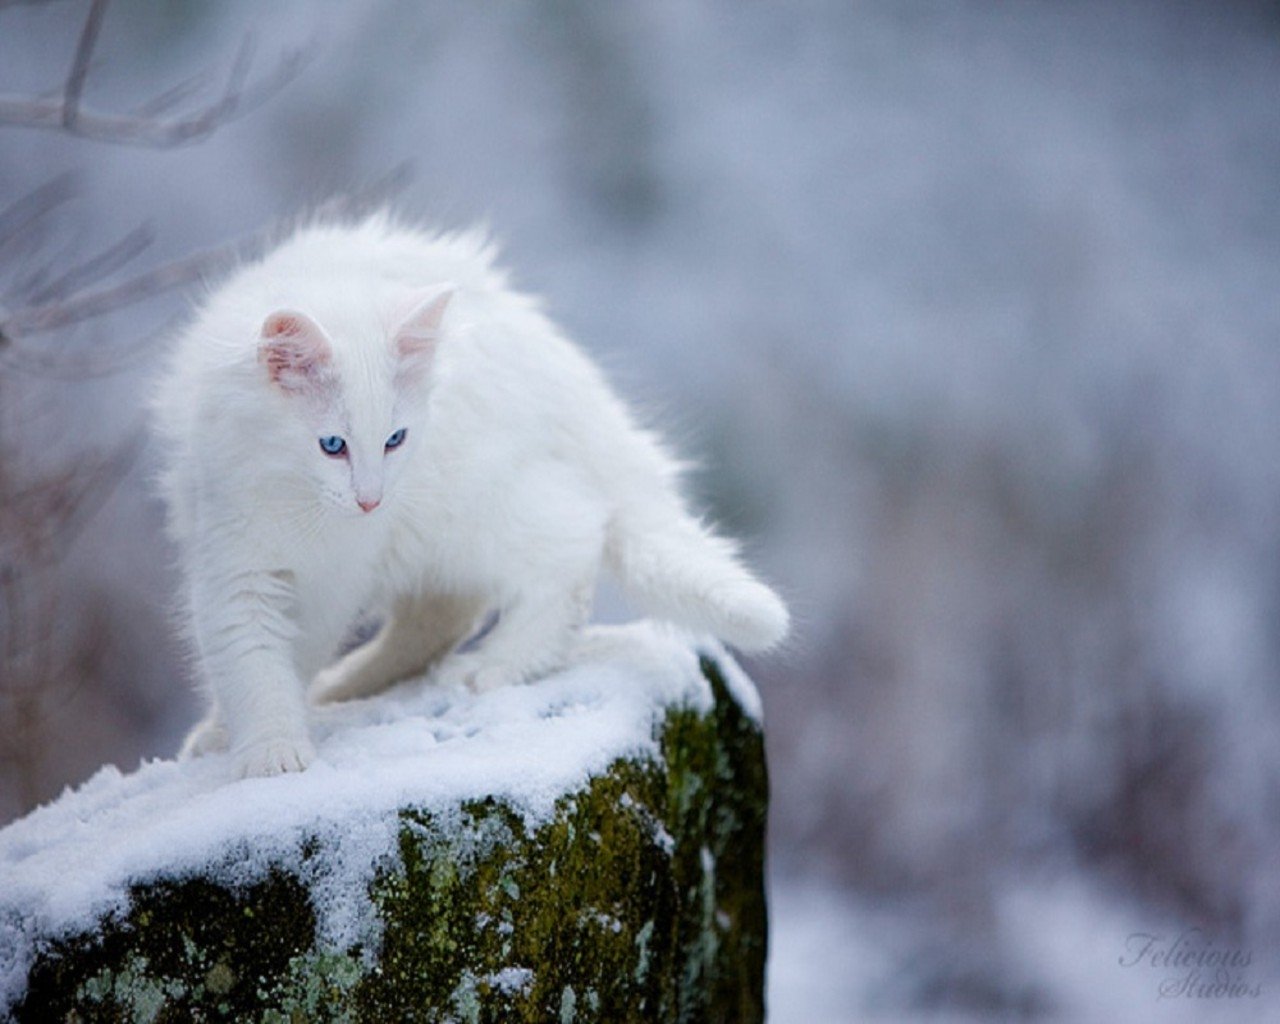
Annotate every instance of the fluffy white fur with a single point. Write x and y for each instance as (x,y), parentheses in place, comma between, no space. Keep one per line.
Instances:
(520,473)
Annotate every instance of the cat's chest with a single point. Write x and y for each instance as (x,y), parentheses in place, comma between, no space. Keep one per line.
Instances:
(333,582)
(329,565)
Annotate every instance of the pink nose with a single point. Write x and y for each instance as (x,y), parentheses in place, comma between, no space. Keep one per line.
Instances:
(368,504)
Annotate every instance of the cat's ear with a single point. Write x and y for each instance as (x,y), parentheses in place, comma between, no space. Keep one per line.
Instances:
(295,351)
(416,336)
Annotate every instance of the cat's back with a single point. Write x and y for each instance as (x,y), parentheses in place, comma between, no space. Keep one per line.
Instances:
(325,263)
(341,273)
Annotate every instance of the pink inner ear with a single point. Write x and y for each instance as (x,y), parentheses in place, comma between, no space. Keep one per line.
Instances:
(278,324)
(294,350)
(418,333)
(412,346)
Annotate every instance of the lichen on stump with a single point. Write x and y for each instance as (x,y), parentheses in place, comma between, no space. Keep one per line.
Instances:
(636,895)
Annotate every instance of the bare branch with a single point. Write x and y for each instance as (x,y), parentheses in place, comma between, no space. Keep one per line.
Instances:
(199,265)
(124,129)
(95,484)
(239,73)
(64,111)
(55,507)
(80,63)
(18,216)
(86,305)
(60,364)
(173,96)
(95,268)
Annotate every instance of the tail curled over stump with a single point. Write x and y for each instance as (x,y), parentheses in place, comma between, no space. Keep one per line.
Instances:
(676,569)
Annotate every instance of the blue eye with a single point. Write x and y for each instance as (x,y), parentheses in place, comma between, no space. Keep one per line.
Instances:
(333,445)
(396,439)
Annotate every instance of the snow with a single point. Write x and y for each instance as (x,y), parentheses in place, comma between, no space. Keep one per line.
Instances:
(71,861)
(742,689)
(1064,938)
(822,962)
(511,979)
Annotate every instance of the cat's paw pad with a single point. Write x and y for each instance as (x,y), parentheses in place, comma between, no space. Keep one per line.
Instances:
(274,757)
(209,737)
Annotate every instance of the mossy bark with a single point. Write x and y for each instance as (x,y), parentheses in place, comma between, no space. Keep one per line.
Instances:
(641,899)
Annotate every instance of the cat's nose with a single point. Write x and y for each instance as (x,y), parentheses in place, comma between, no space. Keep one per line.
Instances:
(368,504)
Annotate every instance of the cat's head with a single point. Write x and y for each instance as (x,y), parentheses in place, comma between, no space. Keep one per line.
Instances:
(355,408)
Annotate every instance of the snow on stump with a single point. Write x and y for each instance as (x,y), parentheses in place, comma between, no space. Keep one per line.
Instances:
(588,848)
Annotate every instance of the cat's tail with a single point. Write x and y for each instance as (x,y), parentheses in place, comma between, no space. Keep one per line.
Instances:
(677,569)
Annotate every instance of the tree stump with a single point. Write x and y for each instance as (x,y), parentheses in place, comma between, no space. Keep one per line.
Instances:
(587,848)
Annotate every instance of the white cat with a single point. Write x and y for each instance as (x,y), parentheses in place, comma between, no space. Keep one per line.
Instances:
(369,417)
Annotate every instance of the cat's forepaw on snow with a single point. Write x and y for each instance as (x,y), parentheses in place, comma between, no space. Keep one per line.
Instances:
(274,756)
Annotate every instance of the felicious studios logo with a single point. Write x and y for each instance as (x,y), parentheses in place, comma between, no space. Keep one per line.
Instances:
(1192,966)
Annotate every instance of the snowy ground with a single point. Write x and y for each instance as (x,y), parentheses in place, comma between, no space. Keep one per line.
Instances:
(1065,950)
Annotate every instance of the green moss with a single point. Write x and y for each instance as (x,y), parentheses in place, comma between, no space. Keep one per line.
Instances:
(188,940)
(641,899)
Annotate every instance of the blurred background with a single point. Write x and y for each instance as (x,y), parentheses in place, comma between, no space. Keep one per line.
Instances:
(970,312)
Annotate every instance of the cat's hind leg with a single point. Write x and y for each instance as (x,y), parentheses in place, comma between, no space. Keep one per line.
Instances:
(532,637)
(420,630)
(208,736)
(549,522)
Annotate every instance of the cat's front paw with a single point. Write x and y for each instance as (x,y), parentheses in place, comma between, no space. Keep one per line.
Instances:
(274,757)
